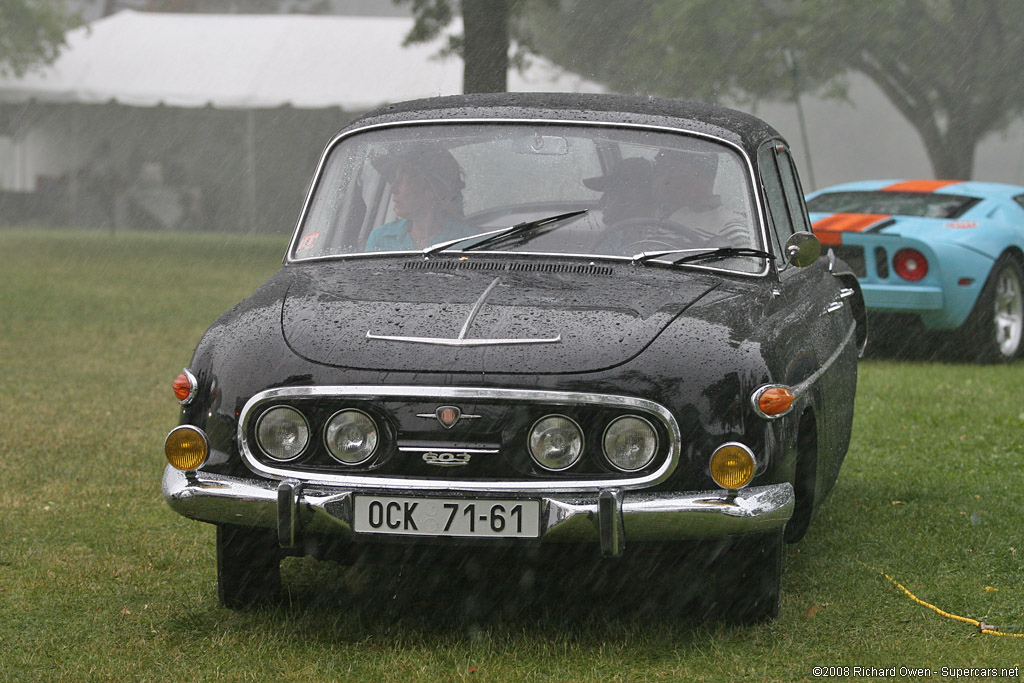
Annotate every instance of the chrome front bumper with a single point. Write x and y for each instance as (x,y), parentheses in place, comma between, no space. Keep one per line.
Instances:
(608,517)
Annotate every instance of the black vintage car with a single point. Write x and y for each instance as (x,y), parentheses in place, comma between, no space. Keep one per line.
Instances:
(596,325)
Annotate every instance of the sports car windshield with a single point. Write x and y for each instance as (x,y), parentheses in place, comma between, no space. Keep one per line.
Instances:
(928,205)
(625,191)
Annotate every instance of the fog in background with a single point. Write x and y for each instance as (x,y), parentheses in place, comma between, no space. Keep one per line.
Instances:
(236,170)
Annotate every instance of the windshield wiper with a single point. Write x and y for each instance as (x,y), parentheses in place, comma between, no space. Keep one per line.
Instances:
(483,239)
(704,255)
(724,252)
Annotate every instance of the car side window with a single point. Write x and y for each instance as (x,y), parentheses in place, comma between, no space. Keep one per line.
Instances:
(1020,200)
(794,194)
(778,211)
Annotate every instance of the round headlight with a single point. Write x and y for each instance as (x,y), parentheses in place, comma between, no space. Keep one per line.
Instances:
(282,433)
(630,443)
(732,466)
(351,436)
(186,448)
(556,442)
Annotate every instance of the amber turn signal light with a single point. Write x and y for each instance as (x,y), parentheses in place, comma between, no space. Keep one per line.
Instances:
(186,448)
(772,401)
(184,386)
(776,400)
(732,466)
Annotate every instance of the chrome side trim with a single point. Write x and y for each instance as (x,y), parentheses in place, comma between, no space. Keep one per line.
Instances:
(801,389)
(833,307)
(462,394)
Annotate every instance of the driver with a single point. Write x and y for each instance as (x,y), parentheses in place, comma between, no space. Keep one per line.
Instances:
(683,193)
(426,189)
(626,191)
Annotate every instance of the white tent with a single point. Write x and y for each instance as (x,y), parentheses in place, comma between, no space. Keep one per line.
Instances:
(243,61)
(238,104)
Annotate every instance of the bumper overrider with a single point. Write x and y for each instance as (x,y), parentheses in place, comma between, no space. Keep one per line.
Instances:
(608,516)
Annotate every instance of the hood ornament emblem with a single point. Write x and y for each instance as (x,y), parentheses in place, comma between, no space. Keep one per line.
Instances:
(448,416)
(462,340)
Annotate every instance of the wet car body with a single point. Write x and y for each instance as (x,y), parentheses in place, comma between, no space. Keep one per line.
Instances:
(553,391)
(936,256)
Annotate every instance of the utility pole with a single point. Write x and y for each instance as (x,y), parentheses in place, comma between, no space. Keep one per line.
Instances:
(794,71)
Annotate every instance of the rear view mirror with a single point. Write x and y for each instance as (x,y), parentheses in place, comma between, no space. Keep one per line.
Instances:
(802,249)
(546,145)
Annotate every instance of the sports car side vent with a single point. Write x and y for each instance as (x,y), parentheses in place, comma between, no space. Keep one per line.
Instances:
(580,269)
(881,262)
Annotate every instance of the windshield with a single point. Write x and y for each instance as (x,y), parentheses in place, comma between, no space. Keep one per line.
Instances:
(925,205)
(416,187)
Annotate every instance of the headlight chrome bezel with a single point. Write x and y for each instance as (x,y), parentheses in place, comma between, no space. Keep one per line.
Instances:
(577,451)
(653,450)
(376,436)
(304,430)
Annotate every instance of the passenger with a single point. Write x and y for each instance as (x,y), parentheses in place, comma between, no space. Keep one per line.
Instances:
(626,191)
(426,189)
(683,193)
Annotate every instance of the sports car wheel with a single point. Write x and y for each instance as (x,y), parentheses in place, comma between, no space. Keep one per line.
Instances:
(248,566)
(996,325)
(748,577)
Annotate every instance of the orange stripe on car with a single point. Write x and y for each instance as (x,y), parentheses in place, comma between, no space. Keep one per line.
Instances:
(831,228)
(919,185)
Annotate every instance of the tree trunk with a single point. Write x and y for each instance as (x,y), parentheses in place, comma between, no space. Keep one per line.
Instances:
(953,158)
(486,45)
(952,151)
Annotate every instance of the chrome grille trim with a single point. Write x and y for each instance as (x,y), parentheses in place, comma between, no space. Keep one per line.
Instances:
(457,394)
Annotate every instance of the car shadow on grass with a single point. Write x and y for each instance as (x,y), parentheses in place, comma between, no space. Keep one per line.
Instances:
(482,594)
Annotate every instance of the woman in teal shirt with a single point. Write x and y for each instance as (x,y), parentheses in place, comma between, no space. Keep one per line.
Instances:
(426,189)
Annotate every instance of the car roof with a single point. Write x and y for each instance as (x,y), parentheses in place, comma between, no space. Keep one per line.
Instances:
(737,127)
(970,188)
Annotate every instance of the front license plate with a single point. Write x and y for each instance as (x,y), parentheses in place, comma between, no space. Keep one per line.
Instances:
(447,517)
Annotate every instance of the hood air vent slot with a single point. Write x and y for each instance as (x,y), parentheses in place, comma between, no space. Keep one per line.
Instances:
(512,267)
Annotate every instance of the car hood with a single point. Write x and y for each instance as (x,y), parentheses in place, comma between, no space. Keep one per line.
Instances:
(431,319)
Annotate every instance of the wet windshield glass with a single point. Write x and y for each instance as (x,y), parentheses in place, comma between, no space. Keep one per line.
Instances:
(409,188)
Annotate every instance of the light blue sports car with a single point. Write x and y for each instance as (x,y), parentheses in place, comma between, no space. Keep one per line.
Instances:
(933,255)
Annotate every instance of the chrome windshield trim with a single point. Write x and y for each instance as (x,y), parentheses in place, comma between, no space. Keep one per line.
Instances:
(762,224)
(458,394)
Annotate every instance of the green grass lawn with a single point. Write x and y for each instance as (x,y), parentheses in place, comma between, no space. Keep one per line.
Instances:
(100,580)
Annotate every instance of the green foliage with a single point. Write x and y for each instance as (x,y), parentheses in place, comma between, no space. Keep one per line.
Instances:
(100,580)
(31,33)
(490,29)
(950,67)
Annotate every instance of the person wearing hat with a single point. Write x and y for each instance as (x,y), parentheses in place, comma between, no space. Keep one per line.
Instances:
(683,193)
(626,190)
(426,191)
